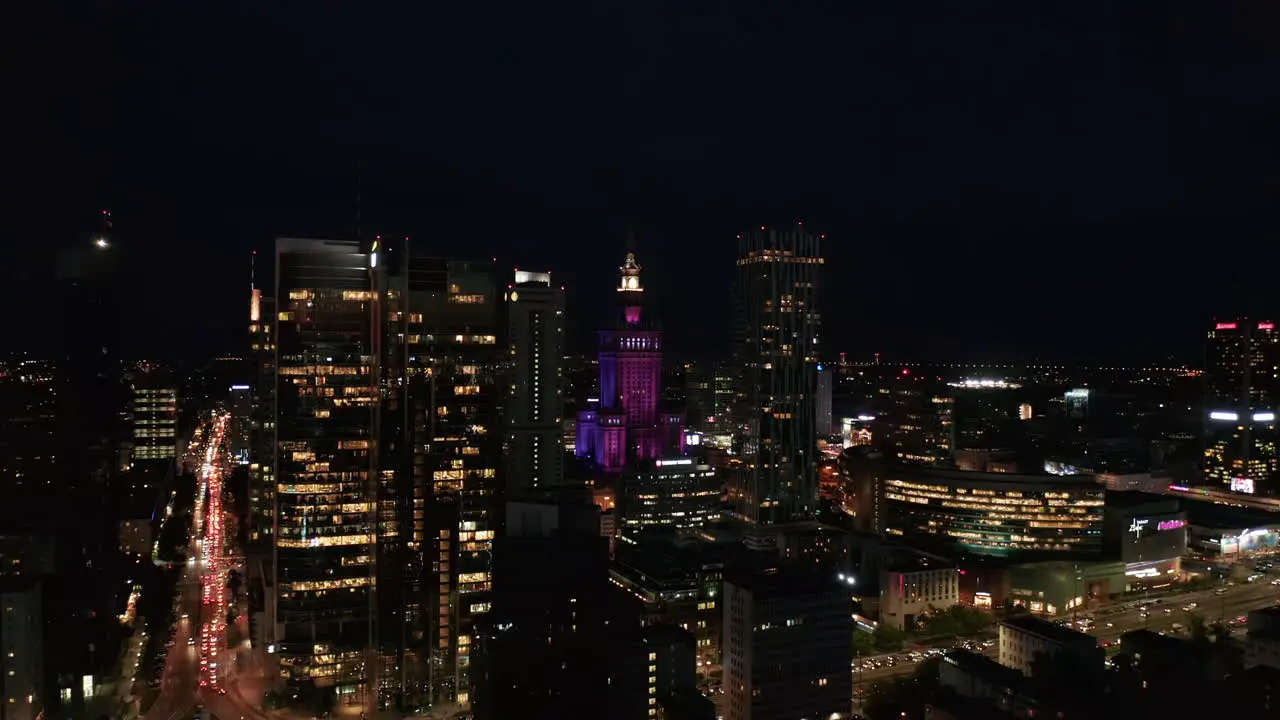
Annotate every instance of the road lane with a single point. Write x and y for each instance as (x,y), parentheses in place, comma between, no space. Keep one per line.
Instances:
(179,679)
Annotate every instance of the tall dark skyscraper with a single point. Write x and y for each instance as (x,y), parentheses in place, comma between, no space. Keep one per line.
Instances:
(535,395)
(1242,396)
(441,440)
(262,421)
(776,413)
(77,508)
(389,374)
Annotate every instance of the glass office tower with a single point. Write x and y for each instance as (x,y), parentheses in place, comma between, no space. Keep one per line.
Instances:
(326,417)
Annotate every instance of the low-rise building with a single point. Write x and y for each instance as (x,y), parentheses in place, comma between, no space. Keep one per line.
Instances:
(1261,643)
(1169,663)
(1057,587)
(909,591)
(1024,638)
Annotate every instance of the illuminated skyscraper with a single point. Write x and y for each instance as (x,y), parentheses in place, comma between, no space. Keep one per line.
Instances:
(155,417)
(1242,384)
(776,417)
(326,400)
(535,397)
(440,446)
(627,424)
(388,368)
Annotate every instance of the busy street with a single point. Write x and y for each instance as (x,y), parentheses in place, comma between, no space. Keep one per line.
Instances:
(1228,604)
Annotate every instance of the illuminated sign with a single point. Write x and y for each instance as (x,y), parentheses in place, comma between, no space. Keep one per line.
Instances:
(669,463)
(1223,415)
(1136,527)
(1170,524)
(1080,393)
(239,387)
(1225,326)
(1262,417)
(1242,485)
(1266,326)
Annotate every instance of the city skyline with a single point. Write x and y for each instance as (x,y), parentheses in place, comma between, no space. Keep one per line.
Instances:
(661,360)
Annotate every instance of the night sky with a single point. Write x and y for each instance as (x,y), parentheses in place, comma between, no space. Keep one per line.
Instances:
(1064,181)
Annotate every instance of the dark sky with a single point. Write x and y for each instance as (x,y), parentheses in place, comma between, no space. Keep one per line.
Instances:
(1070,181)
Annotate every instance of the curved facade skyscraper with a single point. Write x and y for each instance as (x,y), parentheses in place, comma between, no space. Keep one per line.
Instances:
(775,416)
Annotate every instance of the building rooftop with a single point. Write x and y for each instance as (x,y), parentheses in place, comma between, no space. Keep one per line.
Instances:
(783,582)
(1144,502)
(1050,631)
(983,667)
(993,478)
(902,559)
(959,706)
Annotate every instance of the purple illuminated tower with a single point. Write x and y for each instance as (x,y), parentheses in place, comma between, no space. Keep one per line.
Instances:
(627,424)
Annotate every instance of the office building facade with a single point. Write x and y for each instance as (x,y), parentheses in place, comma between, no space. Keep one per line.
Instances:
(776,415)
(673,493)
(786,646)
(1242,397)
(535,393)
(1024,639)
(442,441)
(154,414)
(826,380)
(262,421)
(326,418)
(991,513)
(917,425)
(909,593)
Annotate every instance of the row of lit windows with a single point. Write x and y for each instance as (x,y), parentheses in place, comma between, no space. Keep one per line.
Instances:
(327,541)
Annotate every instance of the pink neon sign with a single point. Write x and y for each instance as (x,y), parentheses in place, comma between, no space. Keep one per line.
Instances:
(1225,326)
(1170,524)
(1266,326)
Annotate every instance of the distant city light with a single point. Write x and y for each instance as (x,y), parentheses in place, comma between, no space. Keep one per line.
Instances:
(102,242)
(1224,415)
(985,383)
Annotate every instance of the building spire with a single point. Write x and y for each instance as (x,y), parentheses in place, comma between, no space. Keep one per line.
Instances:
(629,280)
